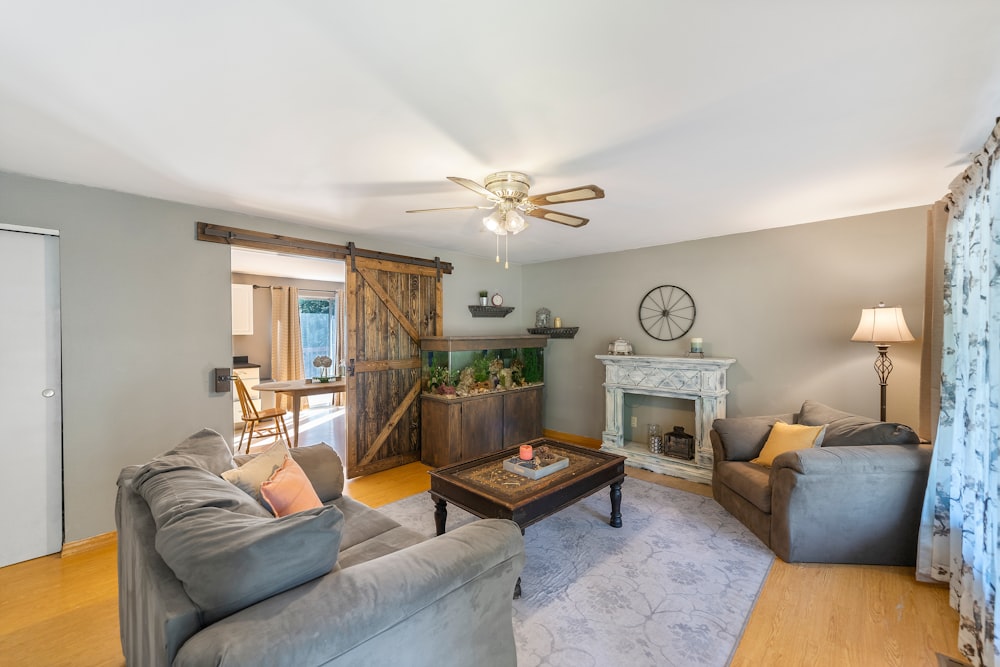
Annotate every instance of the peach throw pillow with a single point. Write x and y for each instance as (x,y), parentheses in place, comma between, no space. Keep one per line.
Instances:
(288,490)
(788,438)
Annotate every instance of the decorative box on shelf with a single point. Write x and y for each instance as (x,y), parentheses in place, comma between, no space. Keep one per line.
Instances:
(555,332)
(491,311)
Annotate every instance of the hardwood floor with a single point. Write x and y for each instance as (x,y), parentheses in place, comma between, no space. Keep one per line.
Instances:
(57,611)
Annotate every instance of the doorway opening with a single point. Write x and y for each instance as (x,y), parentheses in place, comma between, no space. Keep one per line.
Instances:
(318,285)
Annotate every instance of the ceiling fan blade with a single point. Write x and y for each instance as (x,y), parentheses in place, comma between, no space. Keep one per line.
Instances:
(475,187)
(582,193)
(556,216)
(446,208)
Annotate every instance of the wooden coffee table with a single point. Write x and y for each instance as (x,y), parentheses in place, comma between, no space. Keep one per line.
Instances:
(482,487)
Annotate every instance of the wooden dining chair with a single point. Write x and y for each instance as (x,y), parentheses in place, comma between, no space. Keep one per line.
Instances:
(267,422)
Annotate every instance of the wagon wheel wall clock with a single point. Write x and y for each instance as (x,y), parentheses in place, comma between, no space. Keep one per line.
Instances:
(666,312)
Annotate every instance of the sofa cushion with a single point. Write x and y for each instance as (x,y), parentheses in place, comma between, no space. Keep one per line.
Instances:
(228,561)
(846,429)
(225,548)
(288,490)
(748,480)
(188,476)
(322,466)
(788,438)
(257,470)
(362,523)
(170,492)
(205,449)
(744,437)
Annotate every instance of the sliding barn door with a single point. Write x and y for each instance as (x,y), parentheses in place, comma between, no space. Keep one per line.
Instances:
(391,307)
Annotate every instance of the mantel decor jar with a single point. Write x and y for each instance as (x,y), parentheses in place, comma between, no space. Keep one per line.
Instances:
(655,439)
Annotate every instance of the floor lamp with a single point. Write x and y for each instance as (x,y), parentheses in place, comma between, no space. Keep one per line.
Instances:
(881,325)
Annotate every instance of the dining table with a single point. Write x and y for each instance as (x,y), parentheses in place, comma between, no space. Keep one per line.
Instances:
(299,388)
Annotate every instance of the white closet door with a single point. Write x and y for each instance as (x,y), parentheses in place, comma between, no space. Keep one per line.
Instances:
(30,397)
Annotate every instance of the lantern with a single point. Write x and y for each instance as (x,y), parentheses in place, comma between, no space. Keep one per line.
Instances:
(679,444)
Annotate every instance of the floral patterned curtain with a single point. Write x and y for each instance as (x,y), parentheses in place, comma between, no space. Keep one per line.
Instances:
(959,528)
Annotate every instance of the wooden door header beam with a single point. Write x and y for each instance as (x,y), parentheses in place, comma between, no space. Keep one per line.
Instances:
(246,238)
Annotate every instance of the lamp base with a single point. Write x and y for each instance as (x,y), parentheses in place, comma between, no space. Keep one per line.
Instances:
(883,366)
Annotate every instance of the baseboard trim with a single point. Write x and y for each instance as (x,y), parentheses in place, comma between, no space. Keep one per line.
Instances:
(88,544)
(572,438)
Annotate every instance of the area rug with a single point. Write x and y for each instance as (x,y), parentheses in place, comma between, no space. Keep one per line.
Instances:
(673,586)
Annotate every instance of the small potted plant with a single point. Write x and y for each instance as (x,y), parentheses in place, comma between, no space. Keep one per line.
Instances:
(483,296)
(323,363)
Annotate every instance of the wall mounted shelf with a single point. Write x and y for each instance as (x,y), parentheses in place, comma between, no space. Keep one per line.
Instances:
(555,332)
(491,311)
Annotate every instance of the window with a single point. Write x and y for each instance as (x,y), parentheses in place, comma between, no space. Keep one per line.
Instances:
(318,323)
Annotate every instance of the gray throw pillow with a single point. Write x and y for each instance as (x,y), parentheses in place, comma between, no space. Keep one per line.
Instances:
(846,429)
(172,492)
(744,437)
(229,561)
(322,465)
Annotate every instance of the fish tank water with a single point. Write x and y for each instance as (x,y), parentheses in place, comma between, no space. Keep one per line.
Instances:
(457,366)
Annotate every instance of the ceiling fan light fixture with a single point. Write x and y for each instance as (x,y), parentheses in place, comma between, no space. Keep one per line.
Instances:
(508,193)
(514,222)
(494,222)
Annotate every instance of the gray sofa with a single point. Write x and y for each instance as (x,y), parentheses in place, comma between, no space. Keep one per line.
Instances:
(207,576)
(855,499)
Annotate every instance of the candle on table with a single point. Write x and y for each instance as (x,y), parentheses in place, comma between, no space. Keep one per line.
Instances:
(526,453)
(557,322)
(696,345)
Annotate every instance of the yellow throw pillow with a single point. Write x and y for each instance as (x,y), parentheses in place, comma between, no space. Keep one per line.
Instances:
(788,438)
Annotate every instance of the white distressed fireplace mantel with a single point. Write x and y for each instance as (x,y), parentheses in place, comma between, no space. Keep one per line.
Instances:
(700,380)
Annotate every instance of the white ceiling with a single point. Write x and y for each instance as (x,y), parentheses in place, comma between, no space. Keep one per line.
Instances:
(697,118)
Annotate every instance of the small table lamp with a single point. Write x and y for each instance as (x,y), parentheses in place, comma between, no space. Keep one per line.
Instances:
(881,325)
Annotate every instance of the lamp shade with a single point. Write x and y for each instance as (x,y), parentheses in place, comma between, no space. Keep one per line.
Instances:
(882,325)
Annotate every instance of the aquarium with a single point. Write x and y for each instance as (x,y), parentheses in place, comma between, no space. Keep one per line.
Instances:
(457,366)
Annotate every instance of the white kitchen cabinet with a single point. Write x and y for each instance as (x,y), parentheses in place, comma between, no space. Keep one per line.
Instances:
(242,310)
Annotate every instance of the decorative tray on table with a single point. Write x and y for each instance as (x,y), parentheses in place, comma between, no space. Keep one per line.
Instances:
(543,464)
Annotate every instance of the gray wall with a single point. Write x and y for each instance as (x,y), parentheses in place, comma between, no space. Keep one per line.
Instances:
(783,302)
(146,317)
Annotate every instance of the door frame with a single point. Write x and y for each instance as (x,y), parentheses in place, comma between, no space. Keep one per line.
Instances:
(234,236)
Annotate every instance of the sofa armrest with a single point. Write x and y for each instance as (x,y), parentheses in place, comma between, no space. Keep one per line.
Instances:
(855,460)
(852,504)
(447,600)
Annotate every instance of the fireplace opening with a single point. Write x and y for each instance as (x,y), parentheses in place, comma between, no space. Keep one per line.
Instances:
(664,411)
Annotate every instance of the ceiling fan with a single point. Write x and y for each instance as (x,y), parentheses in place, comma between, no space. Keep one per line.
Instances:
(508,192)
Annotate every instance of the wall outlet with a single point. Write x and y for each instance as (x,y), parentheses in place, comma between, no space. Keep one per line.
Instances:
(635,422)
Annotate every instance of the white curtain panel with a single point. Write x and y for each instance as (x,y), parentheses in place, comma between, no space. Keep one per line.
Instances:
(286,340)
(959,527)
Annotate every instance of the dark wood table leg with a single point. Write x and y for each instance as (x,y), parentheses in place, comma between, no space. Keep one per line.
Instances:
(517,586)
(440,514)
(616,505)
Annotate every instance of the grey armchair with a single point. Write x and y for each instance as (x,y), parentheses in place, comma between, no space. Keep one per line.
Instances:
(855,499)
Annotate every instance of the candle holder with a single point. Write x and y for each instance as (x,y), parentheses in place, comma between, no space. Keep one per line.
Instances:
(655,439)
